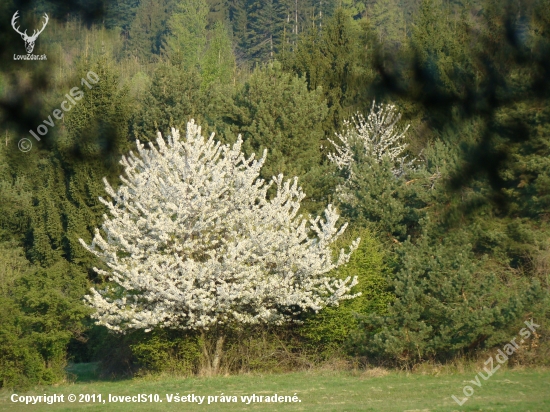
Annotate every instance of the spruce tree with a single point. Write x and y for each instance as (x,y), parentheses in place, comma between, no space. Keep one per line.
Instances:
(121,14)
(328,59)
(266,19)
(148,28)
(389,22)
(173,98)
(238,16)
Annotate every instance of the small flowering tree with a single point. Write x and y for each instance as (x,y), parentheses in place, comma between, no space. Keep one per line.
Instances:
(193,242)
(377,136)
(374,166)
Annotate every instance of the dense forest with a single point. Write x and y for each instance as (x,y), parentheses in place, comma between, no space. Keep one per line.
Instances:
(453,213)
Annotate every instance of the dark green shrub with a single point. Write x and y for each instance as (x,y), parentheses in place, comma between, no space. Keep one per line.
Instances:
(40,309)
(169,351)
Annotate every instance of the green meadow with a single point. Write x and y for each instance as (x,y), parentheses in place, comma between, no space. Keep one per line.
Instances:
(375,390)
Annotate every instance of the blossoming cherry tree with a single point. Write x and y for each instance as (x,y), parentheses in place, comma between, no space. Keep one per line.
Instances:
(194,242)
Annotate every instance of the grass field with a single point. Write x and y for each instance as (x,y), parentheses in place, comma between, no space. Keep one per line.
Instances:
(506,390)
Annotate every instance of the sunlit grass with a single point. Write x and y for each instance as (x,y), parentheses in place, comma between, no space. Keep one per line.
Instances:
(507,390)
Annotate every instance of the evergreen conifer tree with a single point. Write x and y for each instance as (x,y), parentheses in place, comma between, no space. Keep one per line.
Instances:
(275,110)
(185,41)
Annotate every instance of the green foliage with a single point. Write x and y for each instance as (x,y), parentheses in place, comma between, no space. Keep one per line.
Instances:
(40,310)
(218,12)
(95,138)
(172,100)
(464,235)
(97,125)
(148,28)
(120,14)
(444,306)
(266,23)
(328,59)
(275,111)
(185,41)
(159,351)
(388,20)
(333,326)
(49,301)
(218,63)
(441,41)
(455,287)
(354,8)
(57,201)
(264,28)
(167,351)
(16,199)
(218,109)
(239,22)
(391,206)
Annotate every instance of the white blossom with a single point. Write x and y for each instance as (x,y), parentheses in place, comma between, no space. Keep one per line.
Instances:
(377,135)
(192,241)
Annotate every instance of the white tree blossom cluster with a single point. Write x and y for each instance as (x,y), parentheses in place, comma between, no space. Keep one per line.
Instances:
(193,241)
(378,135)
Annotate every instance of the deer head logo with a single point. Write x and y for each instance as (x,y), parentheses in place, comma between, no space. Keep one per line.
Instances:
(29,40)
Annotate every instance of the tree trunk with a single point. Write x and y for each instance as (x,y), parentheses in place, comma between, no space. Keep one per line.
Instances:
(218,354)
(212,353)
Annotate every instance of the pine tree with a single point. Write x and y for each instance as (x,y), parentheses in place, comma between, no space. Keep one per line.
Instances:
(440,41)
(443,306)
(121,14)
(218,12)
(382,185)
(275,111)
(15,198)
(238,16)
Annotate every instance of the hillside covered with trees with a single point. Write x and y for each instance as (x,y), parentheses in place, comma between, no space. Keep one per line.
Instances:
(424,124)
